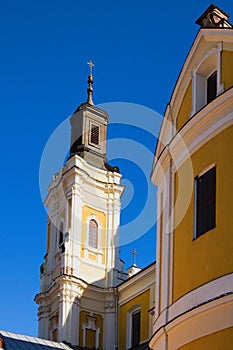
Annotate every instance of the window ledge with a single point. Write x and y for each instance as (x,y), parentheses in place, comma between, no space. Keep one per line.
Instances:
(93,250)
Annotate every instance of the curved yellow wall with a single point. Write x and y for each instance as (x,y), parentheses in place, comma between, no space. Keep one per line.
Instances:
(227,69)
(210,256)
(222,340)
(143,300)
(185,108)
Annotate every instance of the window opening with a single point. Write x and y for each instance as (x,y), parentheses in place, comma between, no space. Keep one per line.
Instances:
(61,238)
(95,134)
(212,87)
(205,201)
(136,321)
(93,233)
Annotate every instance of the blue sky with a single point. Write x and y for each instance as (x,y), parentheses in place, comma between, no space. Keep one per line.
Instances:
(138,49)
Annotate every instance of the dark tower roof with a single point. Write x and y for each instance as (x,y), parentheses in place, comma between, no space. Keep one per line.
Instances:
(214,17)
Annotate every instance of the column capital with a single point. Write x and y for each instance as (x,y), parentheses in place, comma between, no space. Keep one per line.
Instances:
(70,288)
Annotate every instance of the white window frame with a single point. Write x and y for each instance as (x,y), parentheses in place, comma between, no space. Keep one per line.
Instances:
(201,73)
(53,325)
(129,324)
(91,326)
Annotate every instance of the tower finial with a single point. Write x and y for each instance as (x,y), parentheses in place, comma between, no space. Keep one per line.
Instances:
(90,83)
(90,64)
(134,252)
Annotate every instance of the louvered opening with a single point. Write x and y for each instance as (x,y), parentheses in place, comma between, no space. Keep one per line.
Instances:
(95,134)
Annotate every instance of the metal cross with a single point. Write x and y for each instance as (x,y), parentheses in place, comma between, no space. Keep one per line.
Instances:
(134,252)
(90,64)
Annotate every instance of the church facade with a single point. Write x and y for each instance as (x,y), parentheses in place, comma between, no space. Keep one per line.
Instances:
(184,300)
(79,300)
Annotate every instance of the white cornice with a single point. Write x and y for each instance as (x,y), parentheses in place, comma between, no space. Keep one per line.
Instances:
(194,299)
(208,122)
(212,316)
(92,171)
(144,280)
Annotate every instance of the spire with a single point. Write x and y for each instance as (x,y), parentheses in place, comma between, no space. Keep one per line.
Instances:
(90,83)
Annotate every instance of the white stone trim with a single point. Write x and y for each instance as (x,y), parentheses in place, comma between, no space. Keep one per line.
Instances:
(144,281)
(202,128)
(211,132)
(204,36)
(91,326)
(214,316)
(193,300)
(198,296)
(205,320)
(199,81)
(87,248)
(137,292)
(99,227)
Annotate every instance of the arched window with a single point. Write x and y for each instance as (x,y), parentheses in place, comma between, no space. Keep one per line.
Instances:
(206,79)
(93,234)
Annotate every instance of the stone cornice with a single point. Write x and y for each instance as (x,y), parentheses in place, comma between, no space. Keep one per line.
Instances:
(205,124)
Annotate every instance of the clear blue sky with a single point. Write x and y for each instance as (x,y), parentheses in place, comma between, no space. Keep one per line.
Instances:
(138,49)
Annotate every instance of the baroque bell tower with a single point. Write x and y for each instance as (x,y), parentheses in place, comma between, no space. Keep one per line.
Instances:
(77,302)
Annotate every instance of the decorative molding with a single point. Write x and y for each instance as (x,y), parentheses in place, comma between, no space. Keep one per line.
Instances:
(91,324)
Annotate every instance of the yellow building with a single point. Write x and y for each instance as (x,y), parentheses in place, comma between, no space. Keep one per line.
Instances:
(136,309)
(193,168)
(185,300)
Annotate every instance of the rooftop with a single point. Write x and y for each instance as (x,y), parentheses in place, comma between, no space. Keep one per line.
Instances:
(13,341)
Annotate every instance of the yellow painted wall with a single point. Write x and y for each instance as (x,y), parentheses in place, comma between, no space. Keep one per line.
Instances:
(222,340)
(209,256)
(160,249)
(227,69)
(90,338)
(99,323)
(54,335)
(86,212)
(143,300)
(92,257)
(185,108)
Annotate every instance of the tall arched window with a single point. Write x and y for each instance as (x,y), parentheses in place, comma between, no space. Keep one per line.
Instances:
(93,234)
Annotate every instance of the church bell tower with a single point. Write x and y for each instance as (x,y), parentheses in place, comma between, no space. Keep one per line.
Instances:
(81,266)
